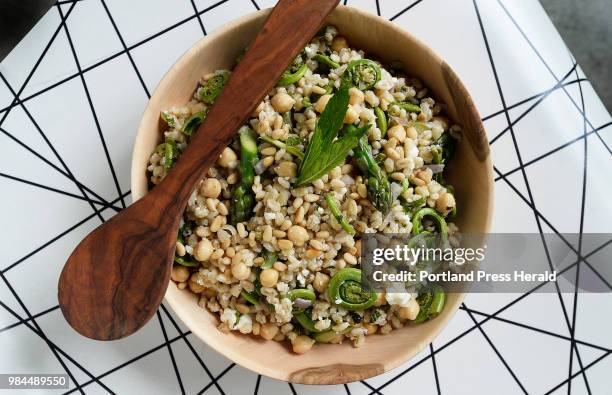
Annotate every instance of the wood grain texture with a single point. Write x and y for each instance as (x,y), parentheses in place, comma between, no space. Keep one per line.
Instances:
(471,177)
(336,374)
(115,279)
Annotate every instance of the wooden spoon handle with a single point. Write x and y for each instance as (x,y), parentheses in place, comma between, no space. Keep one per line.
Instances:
(290,25)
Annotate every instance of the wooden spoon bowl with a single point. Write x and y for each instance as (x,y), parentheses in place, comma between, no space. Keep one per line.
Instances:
(470,173)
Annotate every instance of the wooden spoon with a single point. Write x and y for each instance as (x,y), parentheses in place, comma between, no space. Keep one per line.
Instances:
(116,278)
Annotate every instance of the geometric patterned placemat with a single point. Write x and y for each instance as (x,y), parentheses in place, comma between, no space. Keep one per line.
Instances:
(71,97)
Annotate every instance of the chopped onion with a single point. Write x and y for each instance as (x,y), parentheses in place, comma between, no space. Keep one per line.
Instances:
(259,167)
(386,221)
(230,229)
(223,235)
(400,121)
(347,180)
(435,168)
(396,189)
(302,303)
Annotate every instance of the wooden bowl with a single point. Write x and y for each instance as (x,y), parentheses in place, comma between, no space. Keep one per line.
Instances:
(470,173)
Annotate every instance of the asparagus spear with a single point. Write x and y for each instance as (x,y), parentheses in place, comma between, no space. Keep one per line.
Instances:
(243,199)
(379,189)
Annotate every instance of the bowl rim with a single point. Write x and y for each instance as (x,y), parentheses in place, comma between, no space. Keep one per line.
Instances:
(139,189)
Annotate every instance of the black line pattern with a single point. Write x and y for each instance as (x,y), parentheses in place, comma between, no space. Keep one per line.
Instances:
(99,206)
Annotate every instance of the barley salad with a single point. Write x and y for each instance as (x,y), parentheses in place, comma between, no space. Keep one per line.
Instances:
(270,238)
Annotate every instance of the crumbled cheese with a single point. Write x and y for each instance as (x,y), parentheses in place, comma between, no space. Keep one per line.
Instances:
(282,310)
(322,325)
(245,324)
(229,317)
(401,299)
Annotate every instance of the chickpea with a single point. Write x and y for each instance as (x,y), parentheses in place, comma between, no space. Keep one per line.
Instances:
(322,103)
(211,188)
(445,203)
(228,158)
(282,102)
(356,96)
(268,331)
(302,344)
(320,283)
(268,278)
(351,116)
(240,271)
(339,43)
(286,169)
(371,328)
(179,274)
(409,312)
(194,286)
(298,235)
(203,250)
(398,132)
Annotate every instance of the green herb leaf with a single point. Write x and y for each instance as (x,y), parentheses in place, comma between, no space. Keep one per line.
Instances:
(324,151)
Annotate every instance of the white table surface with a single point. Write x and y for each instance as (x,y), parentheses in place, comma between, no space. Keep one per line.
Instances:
(67,143)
